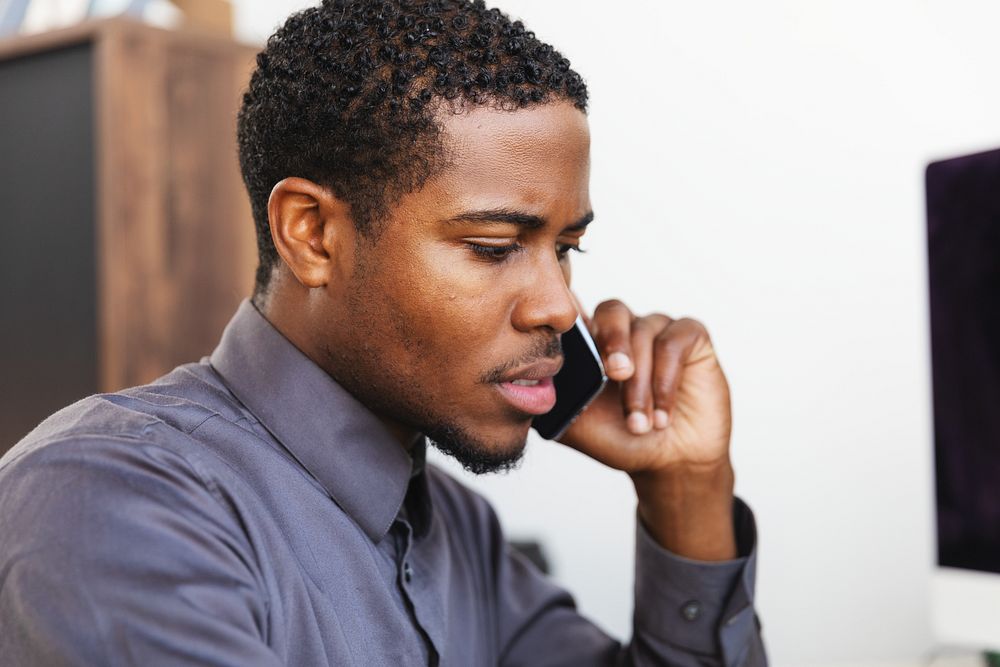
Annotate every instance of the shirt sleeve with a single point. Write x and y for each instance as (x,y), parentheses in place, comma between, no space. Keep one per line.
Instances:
(115,552)
(687,613)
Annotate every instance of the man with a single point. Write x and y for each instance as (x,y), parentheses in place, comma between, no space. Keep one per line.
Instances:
(418,171)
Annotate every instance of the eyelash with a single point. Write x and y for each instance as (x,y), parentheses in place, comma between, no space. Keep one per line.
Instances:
(501,253)
(564,249)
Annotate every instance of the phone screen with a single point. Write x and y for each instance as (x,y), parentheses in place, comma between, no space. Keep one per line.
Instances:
(579,381)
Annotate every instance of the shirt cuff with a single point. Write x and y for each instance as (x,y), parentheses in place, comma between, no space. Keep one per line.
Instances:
(701,606)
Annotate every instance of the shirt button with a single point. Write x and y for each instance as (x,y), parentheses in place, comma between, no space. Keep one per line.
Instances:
(407,572)
(691,610)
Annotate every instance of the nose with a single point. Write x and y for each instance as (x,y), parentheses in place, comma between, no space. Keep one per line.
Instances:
(545,301)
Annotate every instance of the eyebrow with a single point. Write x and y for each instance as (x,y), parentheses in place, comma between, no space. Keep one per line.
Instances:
(511,217)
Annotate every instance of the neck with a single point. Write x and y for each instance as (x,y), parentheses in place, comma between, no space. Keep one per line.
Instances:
(285,315)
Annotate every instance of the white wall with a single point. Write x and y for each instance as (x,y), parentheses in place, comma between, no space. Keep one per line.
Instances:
(759,166)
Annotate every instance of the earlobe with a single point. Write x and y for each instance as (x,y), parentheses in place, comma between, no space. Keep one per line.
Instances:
(308,226)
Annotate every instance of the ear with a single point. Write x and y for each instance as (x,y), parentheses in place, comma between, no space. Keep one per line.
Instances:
(312,230)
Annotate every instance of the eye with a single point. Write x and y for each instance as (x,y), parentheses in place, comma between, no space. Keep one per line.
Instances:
(495,253)
(563,250)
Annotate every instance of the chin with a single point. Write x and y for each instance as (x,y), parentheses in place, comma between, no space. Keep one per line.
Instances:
(482,452)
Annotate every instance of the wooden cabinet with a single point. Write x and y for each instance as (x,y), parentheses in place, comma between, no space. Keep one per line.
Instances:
(126,239)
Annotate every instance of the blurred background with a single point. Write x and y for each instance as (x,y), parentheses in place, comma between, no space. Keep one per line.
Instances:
(758,166)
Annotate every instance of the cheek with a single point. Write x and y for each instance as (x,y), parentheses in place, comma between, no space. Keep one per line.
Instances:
(446,304)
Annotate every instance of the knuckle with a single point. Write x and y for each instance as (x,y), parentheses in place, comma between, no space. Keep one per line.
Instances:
(660,319)
(611,306)
(615,339)
(663,387)
(665,344)
(692,325)
(645,327)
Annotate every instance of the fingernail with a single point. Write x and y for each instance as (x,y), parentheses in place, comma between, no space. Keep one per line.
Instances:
(660,419)
(619,361)
(638,423)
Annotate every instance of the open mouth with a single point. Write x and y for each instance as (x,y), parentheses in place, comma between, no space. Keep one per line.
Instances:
(531,396)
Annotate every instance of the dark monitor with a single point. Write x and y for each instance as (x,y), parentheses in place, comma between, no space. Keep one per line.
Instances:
(963,226)
(963,232)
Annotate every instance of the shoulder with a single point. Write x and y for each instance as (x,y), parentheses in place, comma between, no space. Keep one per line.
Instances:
(106,456)
(165,412)
(108,516)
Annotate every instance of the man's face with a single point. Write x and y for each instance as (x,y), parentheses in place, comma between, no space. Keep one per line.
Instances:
(453,315)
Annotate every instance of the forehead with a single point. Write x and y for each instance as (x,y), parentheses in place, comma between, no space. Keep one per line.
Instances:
(536,155)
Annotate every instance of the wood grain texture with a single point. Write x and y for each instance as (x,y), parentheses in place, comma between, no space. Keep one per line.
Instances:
(170,240)
(176,233)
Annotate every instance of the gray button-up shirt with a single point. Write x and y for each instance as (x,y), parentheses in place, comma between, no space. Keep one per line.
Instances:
(248,511)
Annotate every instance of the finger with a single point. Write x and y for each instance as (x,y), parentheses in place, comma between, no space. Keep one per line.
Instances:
(671,349)
(637,394)
(613,325)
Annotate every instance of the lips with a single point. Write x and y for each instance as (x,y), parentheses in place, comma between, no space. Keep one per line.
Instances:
(530,389)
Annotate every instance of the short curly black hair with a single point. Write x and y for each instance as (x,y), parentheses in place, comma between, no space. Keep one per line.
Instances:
(345,94)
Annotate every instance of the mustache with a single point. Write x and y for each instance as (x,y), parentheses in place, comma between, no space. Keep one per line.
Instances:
(543,349)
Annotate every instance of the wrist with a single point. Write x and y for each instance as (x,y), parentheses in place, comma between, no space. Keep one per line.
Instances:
(688,509)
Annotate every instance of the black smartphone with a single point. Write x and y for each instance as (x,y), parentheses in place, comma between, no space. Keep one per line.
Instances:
(579,382)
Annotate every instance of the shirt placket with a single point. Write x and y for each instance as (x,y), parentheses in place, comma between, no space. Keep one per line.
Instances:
(406,577)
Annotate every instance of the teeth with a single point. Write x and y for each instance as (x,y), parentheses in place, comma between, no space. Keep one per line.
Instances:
(526,383)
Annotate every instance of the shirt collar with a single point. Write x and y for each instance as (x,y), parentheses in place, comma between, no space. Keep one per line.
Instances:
(337,440)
